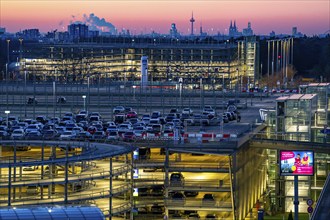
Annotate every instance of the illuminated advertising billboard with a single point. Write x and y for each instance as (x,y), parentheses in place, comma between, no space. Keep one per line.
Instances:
(296,163)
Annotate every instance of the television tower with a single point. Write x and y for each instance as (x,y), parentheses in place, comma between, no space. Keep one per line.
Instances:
(192,20)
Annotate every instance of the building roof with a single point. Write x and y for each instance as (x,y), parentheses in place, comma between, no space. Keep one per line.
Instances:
(308,96)
(297,97)
(52,213)
(318,84)
(282,98)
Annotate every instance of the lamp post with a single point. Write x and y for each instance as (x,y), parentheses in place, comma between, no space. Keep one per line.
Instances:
(134,87)
(180,89)
(7,112)
(88,88)
(54,96)
(84,97)
(25,92)
(8,41)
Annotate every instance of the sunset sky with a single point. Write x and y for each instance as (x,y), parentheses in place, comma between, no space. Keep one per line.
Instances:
(310,16)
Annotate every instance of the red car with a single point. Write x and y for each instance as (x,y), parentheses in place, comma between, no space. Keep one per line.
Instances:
(129,136)
(91,129)
(131,114)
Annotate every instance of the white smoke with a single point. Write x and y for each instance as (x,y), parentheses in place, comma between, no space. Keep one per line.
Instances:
(96,23)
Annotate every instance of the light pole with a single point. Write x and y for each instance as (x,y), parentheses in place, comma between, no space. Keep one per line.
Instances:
(134,87)
(7,112)
(54,96)
(88,88)
(8,41)
(25,93)
(84,97)
(180,89)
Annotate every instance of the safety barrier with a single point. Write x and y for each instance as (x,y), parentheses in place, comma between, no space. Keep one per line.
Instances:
(197,137)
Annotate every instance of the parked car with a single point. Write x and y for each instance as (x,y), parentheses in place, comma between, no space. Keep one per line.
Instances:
(91,129)
(208,199)
(81,117)
(32,100)
(178,197)
(211,216)
(17,134)
(32,190)
(176,179)
(83,135)
(68,135)
(225,118)
(99,135)
(61,100)
(129,136)
(113,135)
(32,127)
(187,111)
(33,135)
(190,193)
(30,168)
(157,209)
(194,215)
(140,132)
(118,109)
(131,114)
(119,118)
(50,134)
(124,128)
(42,119)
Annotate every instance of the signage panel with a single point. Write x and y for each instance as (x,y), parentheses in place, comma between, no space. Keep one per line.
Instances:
(296,163)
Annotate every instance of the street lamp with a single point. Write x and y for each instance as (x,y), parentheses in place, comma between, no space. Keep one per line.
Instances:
(25,91)
(134,87)
(7,112)
(180,89)
(54,96)
(84,97)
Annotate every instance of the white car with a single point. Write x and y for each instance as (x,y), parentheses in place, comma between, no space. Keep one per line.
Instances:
(17,134)
(67,135)
(118,109)
(77,130)
(32,127)
(187,111)
(113,135)
(124,128)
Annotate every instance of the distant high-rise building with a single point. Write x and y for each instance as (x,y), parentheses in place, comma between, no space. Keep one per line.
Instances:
(78,31)
(192,20)
(295,32)
(2,30)
(272,34)
(173,30)
(248,31)
(31,34)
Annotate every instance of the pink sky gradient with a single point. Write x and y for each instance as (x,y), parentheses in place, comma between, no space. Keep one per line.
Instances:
(311,17)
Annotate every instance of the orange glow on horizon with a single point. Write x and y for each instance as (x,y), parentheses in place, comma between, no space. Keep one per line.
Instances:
(310,17)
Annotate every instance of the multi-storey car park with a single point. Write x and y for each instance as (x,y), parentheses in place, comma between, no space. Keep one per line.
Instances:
(220,63)
(220,178)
